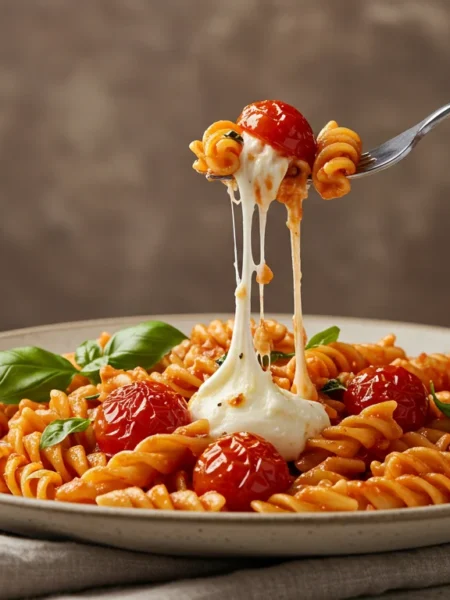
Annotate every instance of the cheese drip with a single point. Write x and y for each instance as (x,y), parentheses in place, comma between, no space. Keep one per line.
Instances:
(241,396)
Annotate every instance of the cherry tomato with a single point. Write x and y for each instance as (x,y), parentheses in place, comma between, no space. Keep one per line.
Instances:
(282,126)
(242,467)
(133,412)
(375,385)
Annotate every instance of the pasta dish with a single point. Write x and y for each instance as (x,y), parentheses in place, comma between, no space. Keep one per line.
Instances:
(243,415)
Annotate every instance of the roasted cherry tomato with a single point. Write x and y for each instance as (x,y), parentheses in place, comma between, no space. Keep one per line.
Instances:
(375,385)
(242,467)
(282,126)
(133,412)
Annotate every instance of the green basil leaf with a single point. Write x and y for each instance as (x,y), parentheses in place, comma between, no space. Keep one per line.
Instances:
(93,397)
(87,352)
(442,406)
(327,336)
(139,346)
(276,356)
(333,385)
(92,370)
(234,135)
(58,430)
(32,373)
(142,346)
(222,359)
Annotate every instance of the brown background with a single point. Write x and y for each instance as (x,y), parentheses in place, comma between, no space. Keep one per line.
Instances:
(101,213)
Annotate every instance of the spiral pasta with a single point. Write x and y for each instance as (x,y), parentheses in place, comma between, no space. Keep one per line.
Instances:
(218,152)
(217,335)
(429,367)
(338,154)
(30,480)
(333,469)
(33,417)
(376,493)
(375,424)
(158,497)
(157,454)
(417,461)
(328,362)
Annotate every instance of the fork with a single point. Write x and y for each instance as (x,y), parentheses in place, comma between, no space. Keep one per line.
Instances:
(392,151)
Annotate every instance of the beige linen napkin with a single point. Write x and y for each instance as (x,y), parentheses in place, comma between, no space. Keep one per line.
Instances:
(70,570)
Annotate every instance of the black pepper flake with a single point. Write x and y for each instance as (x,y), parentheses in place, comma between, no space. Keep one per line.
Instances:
(241,355)
(220,404)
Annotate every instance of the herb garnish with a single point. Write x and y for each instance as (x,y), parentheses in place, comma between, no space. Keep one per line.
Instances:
(58,430)
(32,372)
(442,406)
(234,135)
(333,385)
(327,336)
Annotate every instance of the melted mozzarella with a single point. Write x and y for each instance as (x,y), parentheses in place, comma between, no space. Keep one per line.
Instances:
(241,396)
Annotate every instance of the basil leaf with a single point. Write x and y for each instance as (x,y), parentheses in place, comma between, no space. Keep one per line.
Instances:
(276,356)
(93,397)
(327,336)
(143,345)
(92,370)
(32,373)
(442,406)
(87,352)
(139,346)
(333,385)
(58,430)
(234,135)
(221,360)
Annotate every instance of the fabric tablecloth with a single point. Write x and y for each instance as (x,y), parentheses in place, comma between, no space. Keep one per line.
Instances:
(60,570)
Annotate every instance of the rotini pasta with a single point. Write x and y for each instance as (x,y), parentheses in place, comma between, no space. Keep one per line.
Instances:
(429,367)
(158,497)
(328,362)
(159,454)
(338,154)
(219,150)
(374,425)
(30,480)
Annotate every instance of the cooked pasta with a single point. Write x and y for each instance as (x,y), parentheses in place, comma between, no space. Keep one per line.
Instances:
(429,367)
(30,480)
(373,427)
(219,150)
(158,497)
(159,454)
(328,362)
(338,154)
(361,462)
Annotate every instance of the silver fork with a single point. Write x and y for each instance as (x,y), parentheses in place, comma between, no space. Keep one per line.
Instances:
(392,151)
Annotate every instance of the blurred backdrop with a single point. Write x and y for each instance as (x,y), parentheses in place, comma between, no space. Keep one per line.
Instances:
(101,213)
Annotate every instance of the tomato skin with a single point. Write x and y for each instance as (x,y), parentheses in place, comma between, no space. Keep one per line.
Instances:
(133,412)
(242,467)
(281,126)
(374,385)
